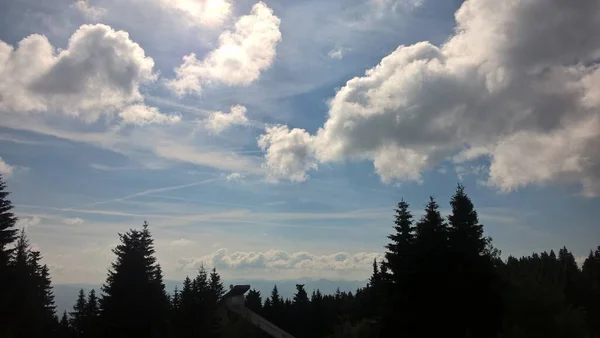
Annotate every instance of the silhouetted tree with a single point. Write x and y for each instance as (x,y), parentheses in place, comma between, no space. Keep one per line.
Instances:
(31,300)
(65,328)
(92,315)
(8,234)
(472,280)
(135,303)
(254,301)
(78,315)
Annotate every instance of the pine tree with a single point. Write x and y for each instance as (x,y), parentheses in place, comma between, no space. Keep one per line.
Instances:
(215,284)
(471,277)
(300,297)
(254,301)
(431,230)
(399,248)
(465,232)
(65,328)
(8,234)
(275,307)
(92,314)
(78,315)
(176,300)
(275,298)
(422,294)
(185,320)
(31,300)
(215,292)
(135,303)
(389,297)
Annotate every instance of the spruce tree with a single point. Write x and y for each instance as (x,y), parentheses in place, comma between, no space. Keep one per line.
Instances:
(398,250)
(8,234)
(31,299)
(471,277)
(275,298)
(92,315)
(215,292)
(78,315)
(135,303)
(300,297)
(254,301)
(465,232)
(65,328)
(215,284)
(423,293)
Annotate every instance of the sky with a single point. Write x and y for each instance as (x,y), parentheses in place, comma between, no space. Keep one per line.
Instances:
(273,139)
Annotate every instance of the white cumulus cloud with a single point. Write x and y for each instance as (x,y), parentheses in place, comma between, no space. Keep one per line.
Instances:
(522,91)
(100,72)
(219,121)
(92,13)
(282,260)
(289,153)
(239,59)
(6,169)
(209,13)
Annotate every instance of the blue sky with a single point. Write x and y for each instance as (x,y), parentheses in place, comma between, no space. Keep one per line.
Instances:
(281,147)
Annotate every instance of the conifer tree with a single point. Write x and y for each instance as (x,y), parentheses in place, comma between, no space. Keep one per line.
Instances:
(31,300)
(8,234)
(215,284)
(275,298)
(465,232)
(398,249)
(471,279)
(215,291)
(300,297)
(92,314)
(78,315)
(135,303)
(175,300)
(65,328)
(254,301)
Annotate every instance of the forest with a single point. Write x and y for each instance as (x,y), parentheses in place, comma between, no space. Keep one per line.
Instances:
(441,277)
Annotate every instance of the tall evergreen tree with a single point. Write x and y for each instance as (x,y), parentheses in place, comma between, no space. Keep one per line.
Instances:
(92,314)
(471,280)
(465,232)
(275,298)
(78,315)
(135,303)
(591,277)
(215,284)
(401,240)
(254,301)
(31,300)
(8,234)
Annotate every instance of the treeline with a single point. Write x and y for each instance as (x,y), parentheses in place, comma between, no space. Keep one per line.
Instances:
(440,277)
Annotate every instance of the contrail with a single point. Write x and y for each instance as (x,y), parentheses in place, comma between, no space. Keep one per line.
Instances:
(152,191)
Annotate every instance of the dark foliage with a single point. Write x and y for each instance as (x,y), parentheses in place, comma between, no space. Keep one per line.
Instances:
(440,278)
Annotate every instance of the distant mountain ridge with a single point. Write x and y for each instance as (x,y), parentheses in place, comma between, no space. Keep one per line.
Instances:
(65,295)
